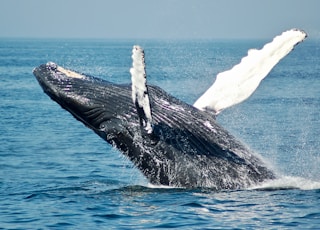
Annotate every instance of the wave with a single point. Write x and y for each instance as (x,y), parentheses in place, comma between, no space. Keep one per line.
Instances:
(111,187)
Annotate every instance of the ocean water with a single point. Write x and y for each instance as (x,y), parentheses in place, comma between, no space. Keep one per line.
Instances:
(57,174)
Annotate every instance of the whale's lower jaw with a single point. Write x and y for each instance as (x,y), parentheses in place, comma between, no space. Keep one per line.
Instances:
(186,148)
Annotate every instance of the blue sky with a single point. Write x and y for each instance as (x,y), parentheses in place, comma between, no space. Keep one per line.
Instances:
(161,19)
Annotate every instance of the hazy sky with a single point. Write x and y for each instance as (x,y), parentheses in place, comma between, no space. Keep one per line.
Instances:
(168,19)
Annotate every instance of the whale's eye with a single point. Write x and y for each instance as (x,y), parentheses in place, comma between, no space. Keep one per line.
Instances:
(103,126)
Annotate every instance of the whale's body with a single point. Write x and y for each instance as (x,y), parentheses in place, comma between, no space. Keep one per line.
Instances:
(187,147)
(171,142)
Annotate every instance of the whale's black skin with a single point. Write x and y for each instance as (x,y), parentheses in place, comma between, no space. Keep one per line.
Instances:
(187,148)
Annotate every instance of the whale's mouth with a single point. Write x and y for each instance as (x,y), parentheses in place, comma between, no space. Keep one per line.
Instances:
(88,99)
(58,82)
(66,87)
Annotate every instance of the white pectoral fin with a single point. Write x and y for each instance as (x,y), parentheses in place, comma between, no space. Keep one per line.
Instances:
(237,84)
(140,95)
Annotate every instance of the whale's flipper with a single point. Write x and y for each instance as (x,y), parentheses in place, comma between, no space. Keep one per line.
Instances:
(140,95)
(237,84)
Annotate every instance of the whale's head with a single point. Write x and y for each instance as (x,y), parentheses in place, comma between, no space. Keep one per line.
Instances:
(102,106)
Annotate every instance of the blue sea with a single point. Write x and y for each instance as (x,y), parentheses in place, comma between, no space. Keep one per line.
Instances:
(57,174)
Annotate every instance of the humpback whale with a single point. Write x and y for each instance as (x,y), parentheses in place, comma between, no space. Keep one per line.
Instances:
(173,143)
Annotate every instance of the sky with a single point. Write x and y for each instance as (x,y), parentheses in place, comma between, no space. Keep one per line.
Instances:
(157,19)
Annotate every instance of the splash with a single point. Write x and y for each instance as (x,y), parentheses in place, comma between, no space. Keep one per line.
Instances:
(149,185)
(288,182)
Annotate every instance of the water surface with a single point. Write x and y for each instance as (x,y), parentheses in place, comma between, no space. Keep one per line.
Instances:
(55,173)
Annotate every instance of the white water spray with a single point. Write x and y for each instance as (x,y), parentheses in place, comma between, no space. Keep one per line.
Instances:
(288,182)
